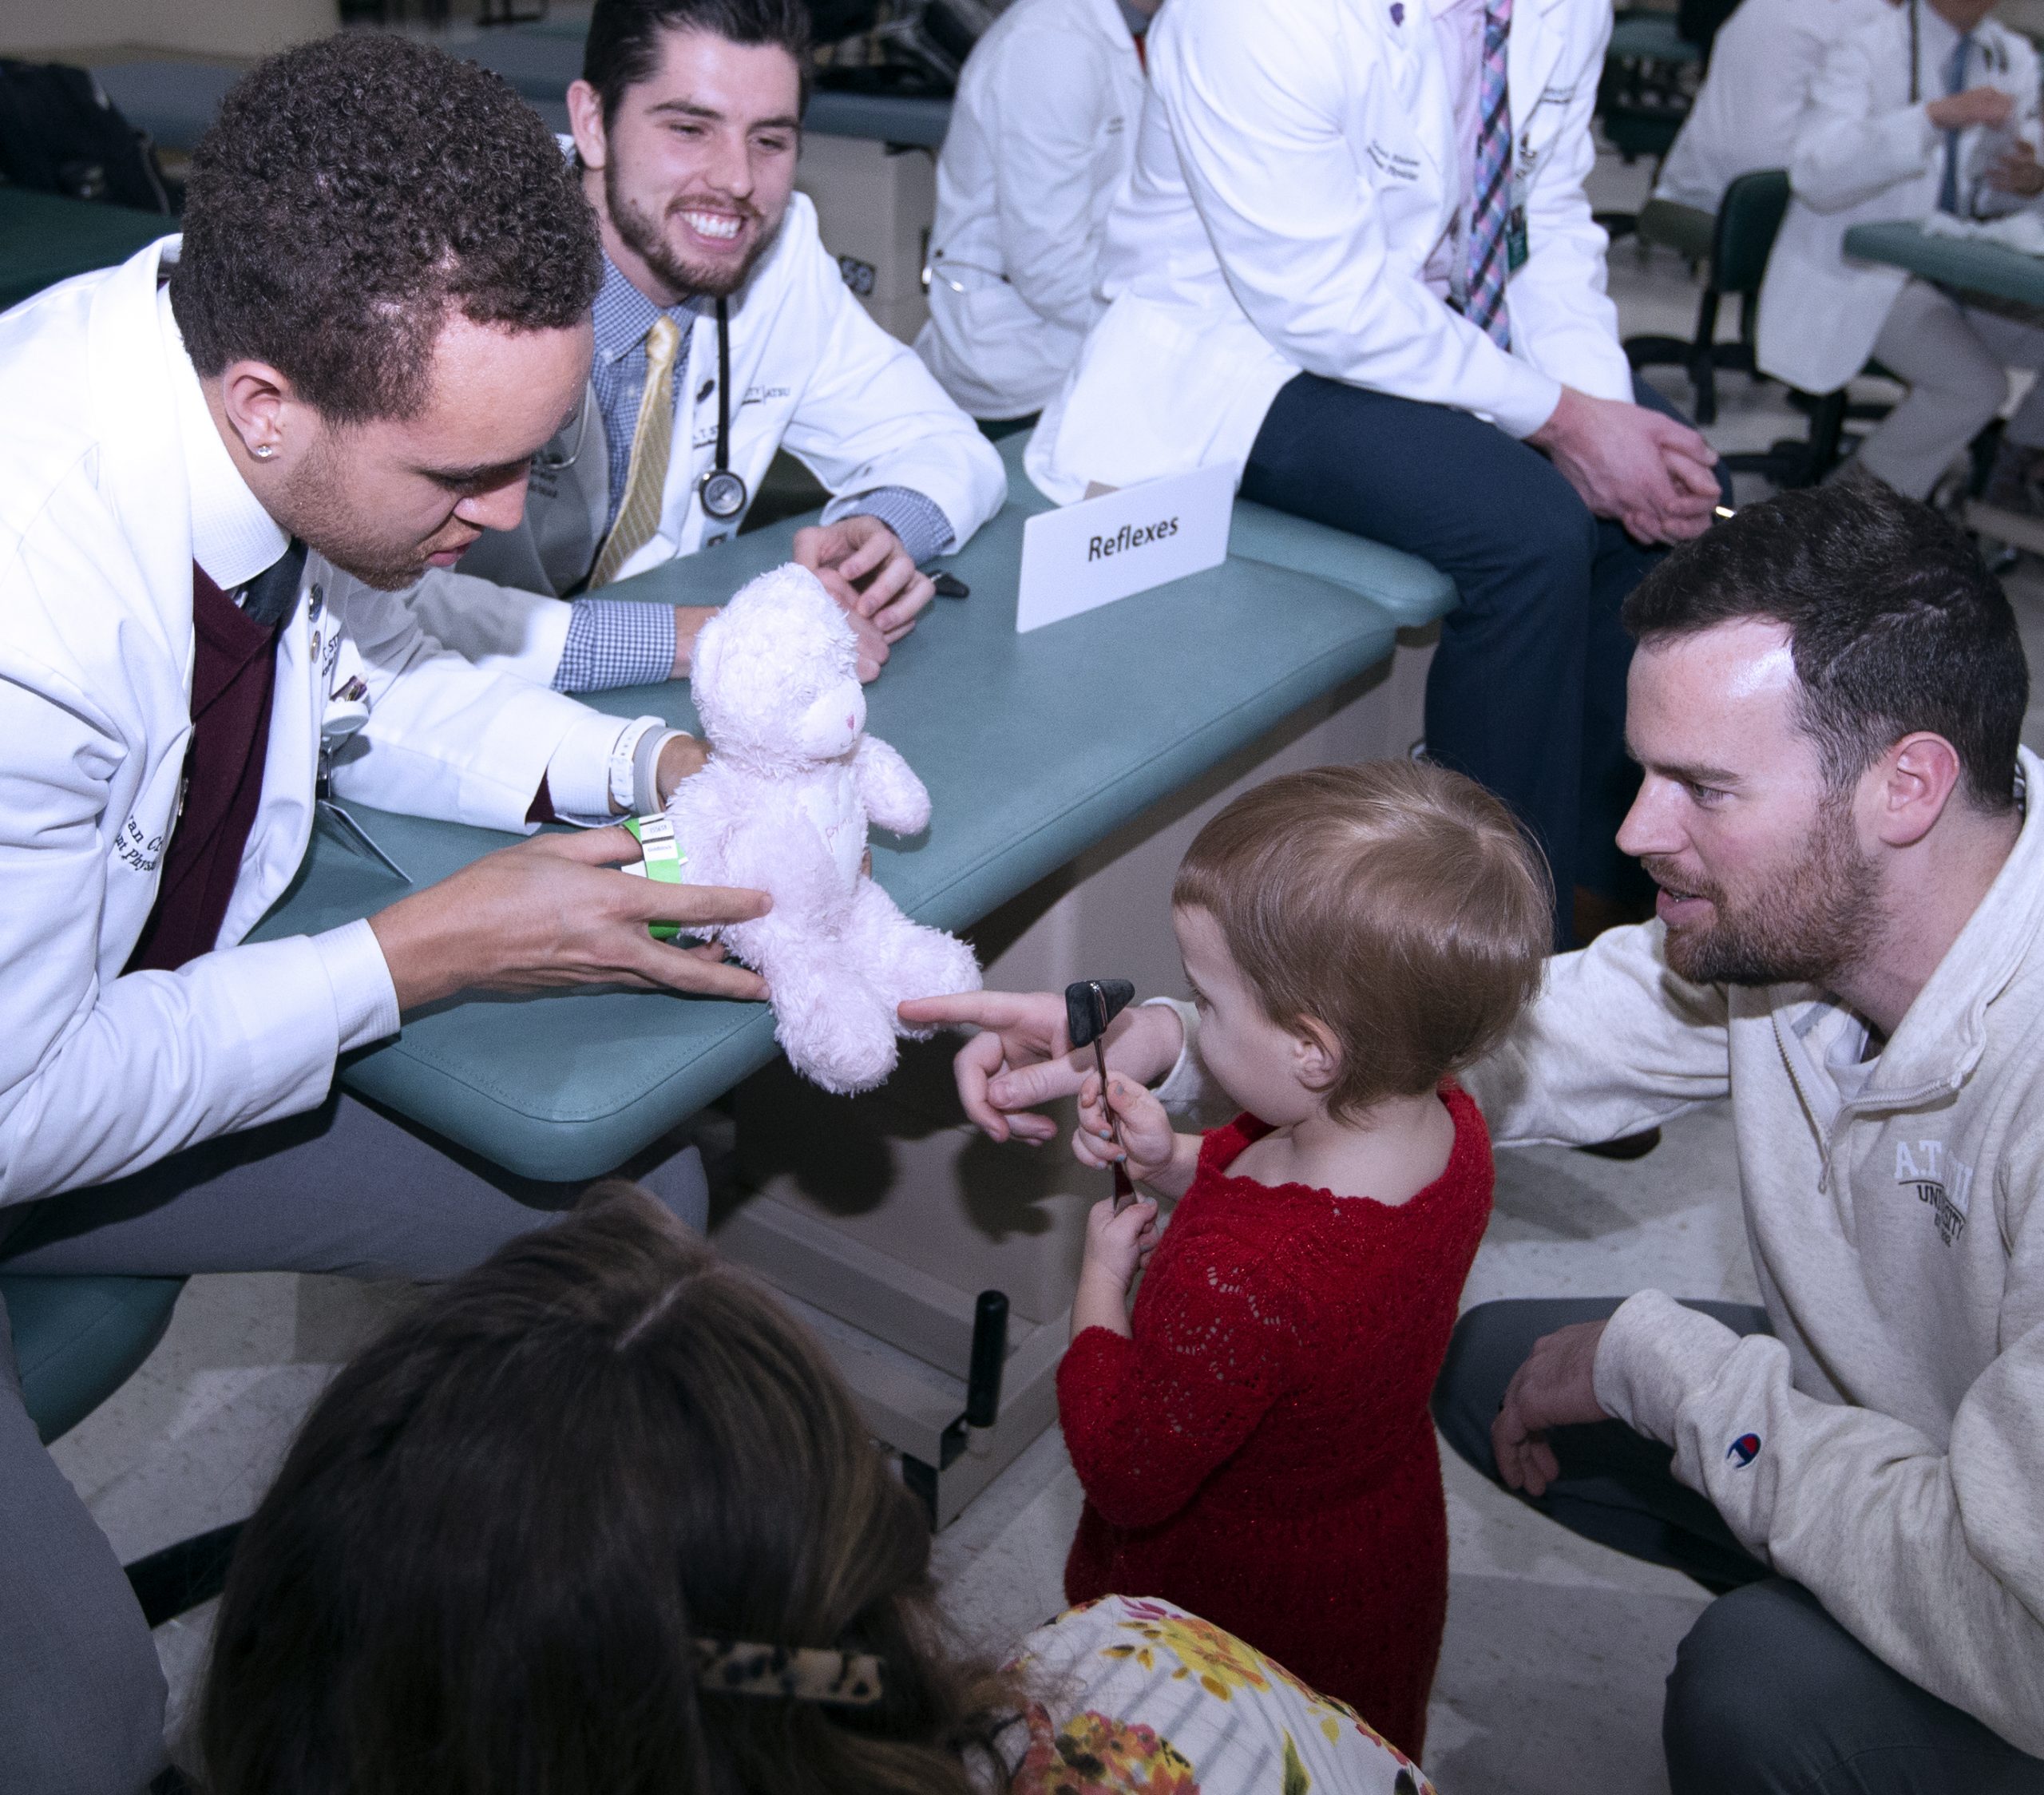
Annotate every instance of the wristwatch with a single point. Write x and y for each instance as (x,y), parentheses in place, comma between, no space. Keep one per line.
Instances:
(638,746)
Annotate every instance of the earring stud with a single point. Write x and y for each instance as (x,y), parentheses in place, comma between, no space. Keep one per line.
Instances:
(263,451)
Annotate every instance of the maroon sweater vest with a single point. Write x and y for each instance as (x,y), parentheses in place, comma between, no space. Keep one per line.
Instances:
(234,678)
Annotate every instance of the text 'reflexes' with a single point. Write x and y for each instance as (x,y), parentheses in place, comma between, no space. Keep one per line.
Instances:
(1129,536)
(1077,558)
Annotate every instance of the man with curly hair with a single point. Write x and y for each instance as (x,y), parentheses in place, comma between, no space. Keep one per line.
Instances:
(223,461)
(687,122)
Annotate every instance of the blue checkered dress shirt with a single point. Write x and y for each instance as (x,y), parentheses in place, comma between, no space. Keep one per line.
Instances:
(620,641)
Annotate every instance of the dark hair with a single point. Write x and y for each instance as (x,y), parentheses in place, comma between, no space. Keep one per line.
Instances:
(1894,622)
(623,45)
(493,1547)
(1395,903)
(349,193)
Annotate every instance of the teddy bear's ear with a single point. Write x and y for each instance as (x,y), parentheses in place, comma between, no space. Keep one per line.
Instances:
(802,596)
(788,602)
(755,613)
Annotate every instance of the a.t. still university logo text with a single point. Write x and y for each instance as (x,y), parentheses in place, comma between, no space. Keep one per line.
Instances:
(1945,1184)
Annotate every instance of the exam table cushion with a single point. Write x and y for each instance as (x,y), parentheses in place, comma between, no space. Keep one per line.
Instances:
(46,238)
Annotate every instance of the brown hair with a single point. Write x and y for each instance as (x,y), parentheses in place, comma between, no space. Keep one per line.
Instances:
(1894,620)
(1395,903)
(625,40)
(489,1557)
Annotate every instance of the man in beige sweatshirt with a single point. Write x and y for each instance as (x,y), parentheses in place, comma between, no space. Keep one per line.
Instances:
(1826,701)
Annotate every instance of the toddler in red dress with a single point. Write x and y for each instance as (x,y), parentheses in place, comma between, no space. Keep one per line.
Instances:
(1254,1440)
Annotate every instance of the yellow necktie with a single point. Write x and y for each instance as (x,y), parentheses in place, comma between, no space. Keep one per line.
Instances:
(645,482)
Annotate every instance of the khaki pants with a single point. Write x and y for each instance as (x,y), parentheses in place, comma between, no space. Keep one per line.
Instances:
(1681,228)
(1955,359)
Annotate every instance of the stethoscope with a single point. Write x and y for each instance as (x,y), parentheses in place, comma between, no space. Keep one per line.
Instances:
(723,494)
(932,273)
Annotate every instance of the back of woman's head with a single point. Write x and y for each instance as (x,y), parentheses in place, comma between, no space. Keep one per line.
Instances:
(509,1538)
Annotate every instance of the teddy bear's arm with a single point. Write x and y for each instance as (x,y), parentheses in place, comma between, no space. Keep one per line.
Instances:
(894,798)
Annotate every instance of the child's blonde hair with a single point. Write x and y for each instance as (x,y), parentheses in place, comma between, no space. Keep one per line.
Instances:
(1395,903)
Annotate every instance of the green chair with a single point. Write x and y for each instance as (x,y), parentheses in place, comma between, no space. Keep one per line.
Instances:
(1644,94)
(1741,239)
(77,1341)
(1748,218)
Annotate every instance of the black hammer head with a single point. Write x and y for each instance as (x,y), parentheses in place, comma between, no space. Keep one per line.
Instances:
(1091,1004)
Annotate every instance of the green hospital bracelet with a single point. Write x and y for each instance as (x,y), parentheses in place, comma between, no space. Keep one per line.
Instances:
(662,862)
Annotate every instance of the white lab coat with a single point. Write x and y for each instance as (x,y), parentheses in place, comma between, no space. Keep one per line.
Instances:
(102,1074)
(1042,138)
(811,371)
(1867,154)
(1764,63)
(1297,165)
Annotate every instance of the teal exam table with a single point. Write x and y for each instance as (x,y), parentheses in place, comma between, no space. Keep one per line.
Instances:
(1033,747)
(1065,766)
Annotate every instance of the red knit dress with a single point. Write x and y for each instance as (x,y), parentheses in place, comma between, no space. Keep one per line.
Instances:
(1261,1452)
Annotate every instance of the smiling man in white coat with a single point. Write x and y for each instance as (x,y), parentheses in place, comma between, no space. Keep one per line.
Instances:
(1041,140)
(222,459)
(724,331)
(1926,108)
(1355,260)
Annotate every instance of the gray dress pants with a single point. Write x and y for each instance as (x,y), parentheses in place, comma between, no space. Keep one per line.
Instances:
(344,1188)
(1769,1695)
(1954,359)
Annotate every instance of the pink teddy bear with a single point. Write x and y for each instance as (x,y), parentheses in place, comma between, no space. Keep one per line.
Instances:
(783,808)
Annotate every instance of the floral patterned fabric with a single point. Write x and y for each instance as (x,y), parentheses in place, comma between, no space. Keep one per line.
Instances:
(1132,1696)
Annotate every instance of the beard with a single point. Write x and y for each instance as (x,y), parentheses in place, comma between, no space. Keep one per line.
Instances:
(1815,917)
(642,232)
(316,508)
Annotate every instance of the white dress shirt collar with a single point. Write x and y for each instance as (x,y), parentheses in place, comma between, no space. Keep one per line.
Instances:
(233,538)
(1936,39)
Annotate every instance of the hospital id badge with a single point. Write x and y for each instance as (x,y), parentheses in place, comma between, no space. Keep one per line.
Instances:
(1515,229)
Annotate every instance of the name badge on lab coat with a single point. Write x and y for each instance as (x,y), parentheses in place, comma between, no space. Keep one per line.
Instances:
(1514,225)
(1086,555)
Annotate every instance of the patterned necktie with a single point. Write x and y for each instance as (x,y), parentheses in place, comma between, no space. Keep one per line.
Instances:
(1955,83)
(1489,212)
(645,485)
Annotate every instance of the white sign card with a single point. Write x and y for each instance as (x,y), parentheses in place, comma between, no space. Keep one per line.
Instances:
(1081,556)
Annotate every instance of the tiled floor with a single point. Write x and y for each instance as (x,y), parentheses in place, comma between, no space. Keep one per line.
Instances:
(1550,1677)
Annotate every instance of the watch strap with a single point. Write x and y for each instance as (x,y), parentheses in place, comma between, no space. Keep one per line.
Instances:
(623,760)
